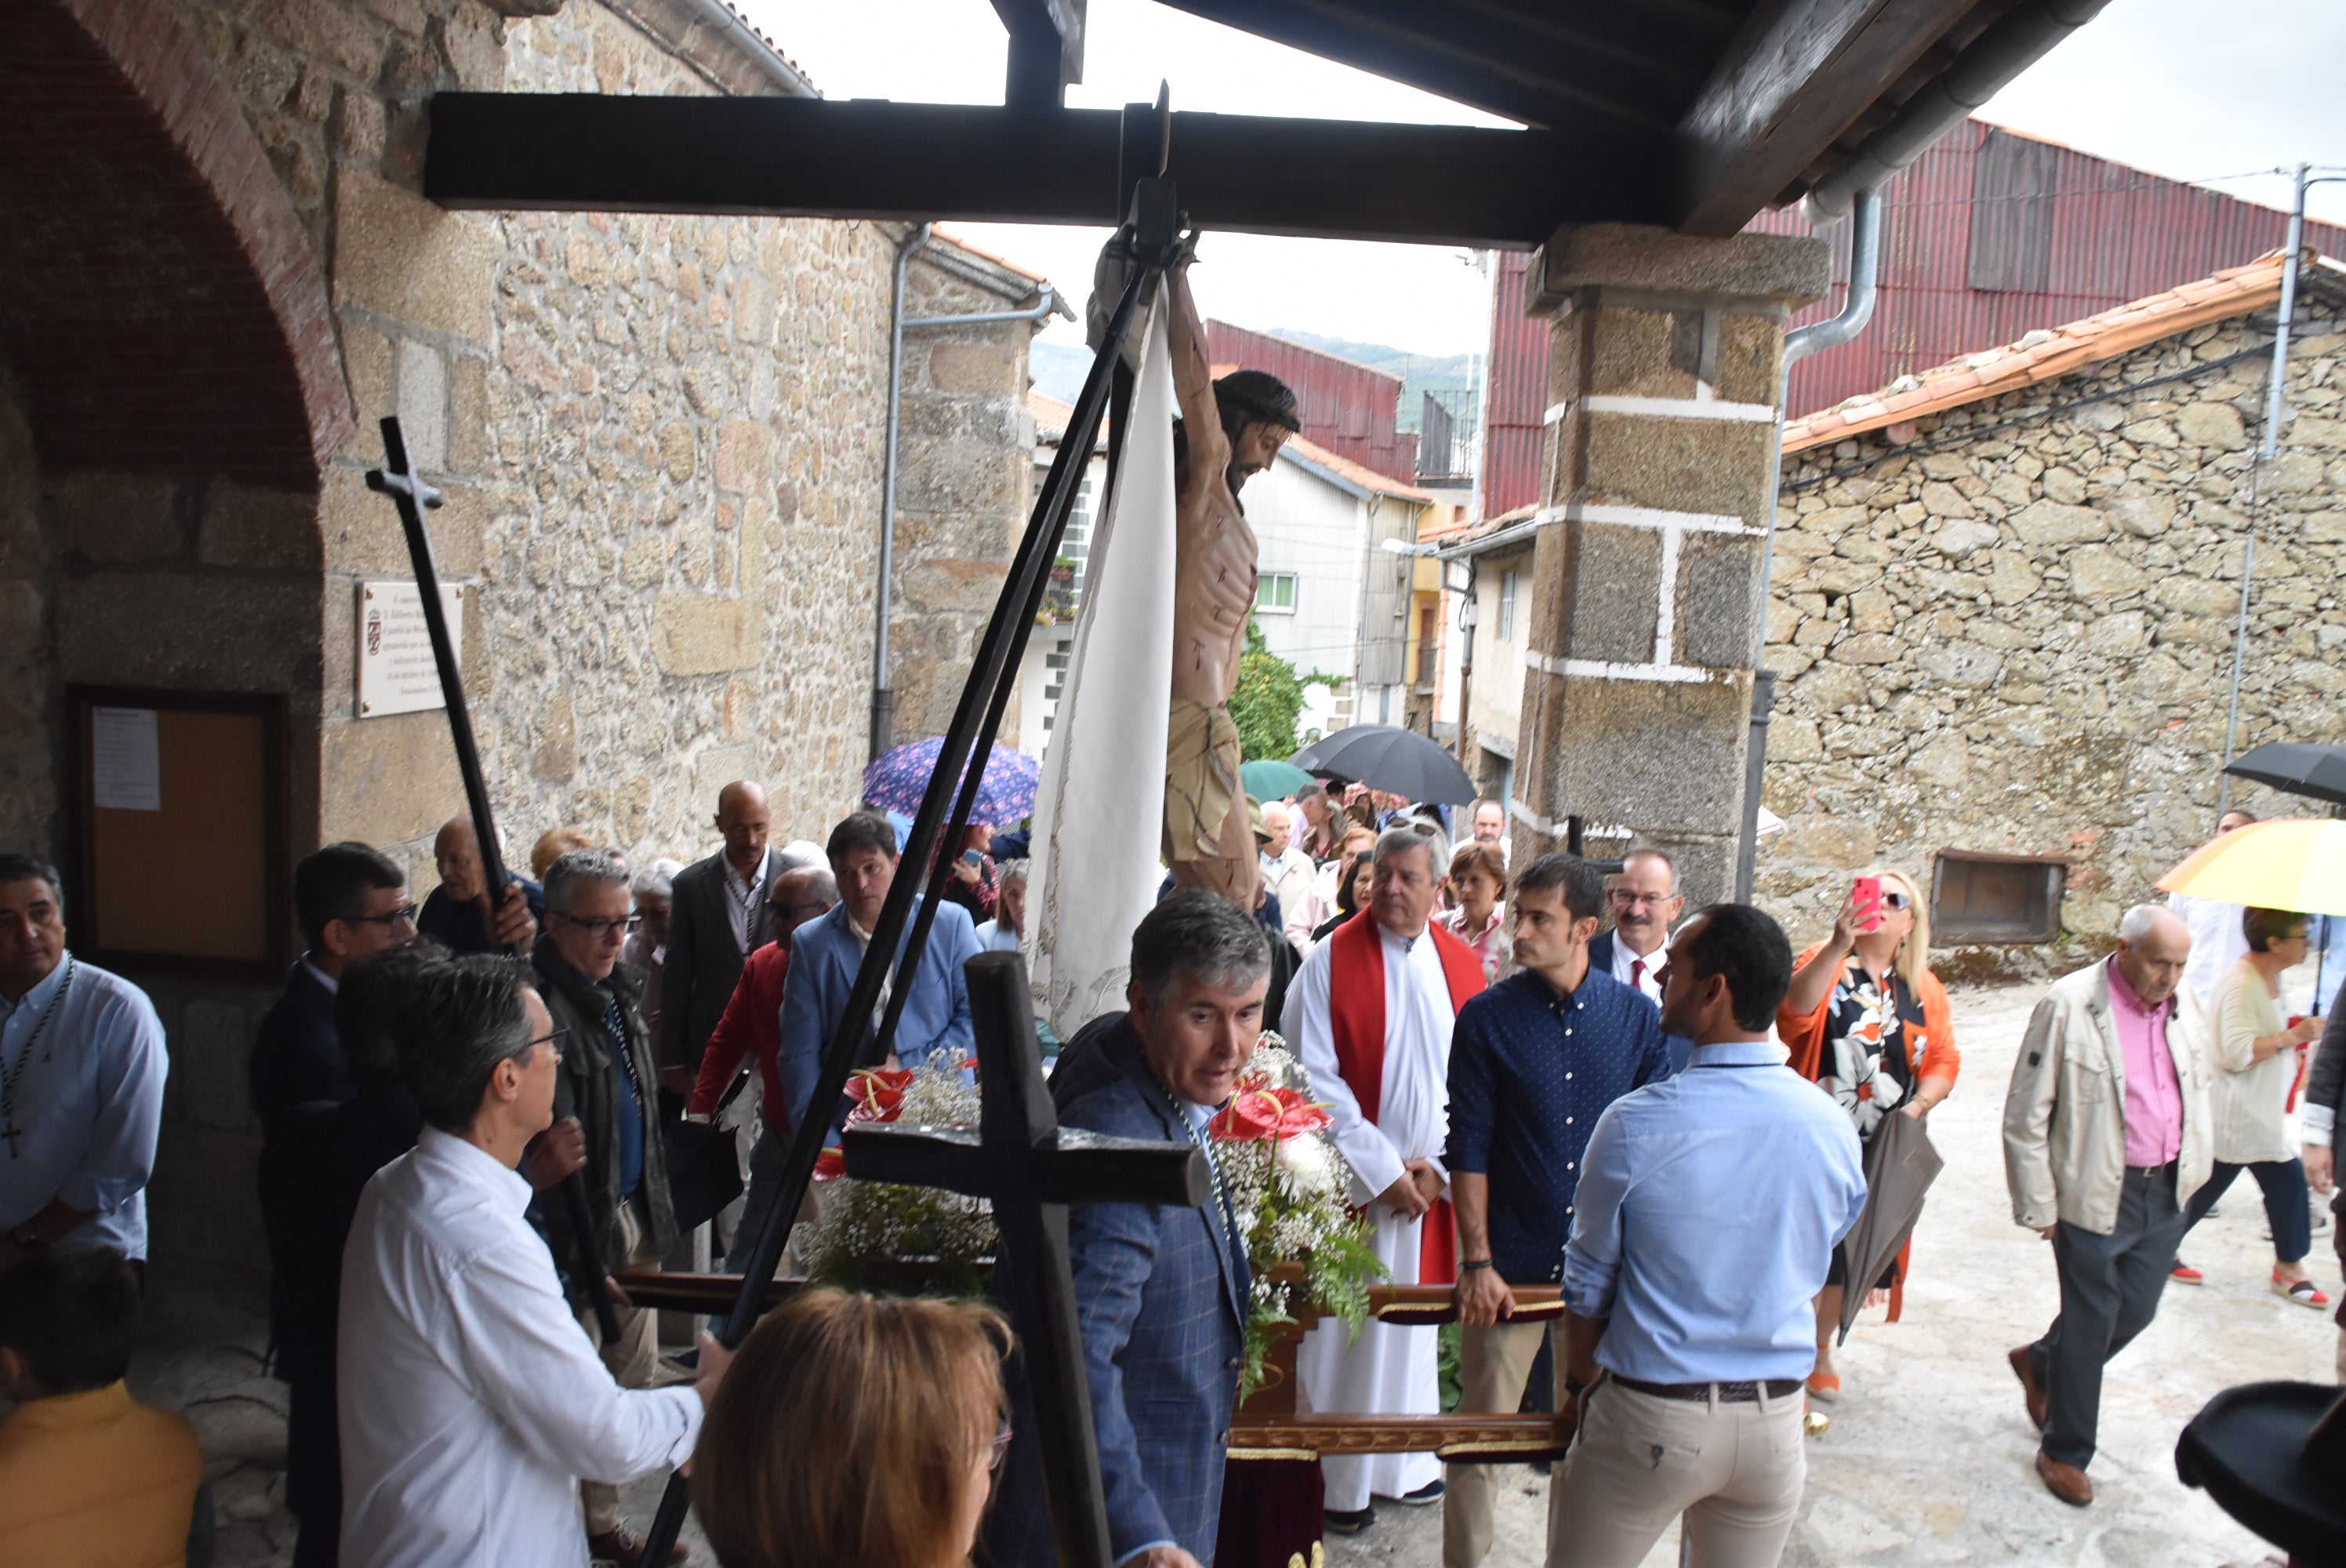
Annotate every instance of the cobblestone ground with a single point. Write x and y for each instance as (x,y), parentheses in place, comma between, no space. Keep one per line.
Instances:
(1927,1460)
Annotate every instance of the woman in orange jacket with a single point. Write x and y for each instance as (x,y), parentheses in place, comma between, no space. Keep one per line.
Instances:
(1869,1024)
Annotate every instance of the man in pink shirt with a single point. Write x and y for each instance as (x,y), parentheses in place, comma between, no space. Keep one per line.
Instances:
(2106,1135)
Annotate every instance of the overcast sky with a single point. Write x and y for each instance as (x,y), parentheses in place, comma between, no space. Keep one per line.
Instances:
(2149,82)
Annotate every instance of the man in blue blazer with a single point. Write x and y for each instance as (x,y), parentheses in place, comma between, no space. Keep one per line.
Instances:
(826,952)
(1161,1292)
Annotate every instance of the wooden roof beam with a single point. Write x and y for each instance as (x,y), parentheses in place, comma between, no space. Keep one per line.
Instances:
(1796,76)
(1046,51)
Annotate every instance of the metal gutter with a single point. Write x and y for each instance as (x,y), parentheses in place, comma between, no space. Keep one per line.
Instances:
(2016,41)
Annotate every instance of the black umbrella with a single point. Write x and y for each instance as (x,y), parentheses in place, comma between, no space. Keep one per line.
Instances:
(1388,758)
(2318,772)
(1900,1166)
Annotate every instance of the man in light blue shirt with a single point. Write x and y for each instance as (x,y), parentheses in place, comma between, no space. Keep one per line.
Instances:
(1709,1207)
(82,1064)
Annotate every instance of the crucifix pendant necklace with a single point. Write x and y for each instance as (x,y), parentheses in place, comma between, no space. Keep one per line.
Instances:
(9,1127)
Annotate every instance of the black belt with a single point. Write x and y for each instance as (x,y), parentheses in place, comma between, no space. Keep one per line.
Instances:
(1700,1393)
(2153,1172)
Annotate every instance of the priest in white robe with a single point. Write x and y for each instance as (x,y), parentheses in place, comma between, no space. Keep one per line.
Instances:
(1371,1015)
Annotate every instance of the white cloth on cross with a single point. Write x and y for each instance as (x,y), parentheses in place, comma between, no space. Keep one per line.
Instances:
(1389,1370)
(1100,808)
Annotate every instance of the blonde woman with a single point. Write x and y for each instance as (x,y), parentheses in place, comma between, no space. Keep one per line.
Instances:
(1869,1024)
(903,1399)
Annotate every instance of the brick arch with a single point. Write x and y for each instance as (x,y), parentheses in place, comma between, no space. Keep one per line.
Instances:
(161,305)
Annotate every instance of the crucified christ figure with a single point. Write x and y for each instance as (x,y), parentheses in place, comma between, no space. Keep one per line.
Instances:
(1230,431)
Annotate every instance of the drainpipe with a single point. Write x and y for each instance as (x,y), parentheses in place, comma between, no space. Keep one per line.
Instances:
(1857,309)
(884,695)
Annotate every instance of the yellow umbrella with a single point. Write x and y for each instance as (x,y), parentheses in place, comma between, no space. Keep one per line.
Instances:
(2295,863)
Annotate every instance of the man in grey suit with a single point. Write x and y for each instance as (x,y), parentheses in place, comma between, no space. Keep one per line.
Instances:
(1162,1291)
(719,917)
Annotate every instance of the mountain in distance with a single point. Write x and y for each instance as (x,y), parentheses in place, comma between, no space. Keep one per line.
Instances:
(1057,369)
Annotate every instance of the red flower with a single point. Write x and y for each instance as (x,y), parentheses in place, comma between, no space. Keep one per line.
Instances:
(877,1094)
(1255,1113)
(830,1165)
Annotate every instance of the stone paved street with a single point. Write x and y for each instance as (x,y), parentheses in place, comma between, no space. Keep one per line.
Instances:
(1927,1460)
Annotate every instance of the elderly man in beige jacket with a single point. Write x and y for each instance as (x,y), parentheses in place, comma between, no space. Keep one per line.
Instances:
(2106,1137)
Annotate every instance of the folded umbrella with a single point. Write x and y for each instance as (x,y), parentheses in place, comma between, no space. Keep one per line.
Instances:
(1900,1166)
(1396,760)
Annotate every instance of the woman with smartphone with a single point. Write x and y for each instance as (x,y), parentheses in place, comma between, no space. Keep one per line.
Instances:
(1869,1024)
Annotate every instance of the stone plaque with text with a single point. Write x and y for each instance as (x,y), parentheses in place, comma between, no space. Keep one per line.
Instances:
(397,674)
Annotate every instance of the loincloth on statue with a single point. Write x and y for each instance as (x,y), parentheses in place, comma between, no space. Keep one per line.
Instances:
(1201,777)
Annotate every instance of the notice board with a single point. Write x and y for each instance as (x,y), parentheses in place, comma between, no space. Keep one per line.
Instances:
(180,829)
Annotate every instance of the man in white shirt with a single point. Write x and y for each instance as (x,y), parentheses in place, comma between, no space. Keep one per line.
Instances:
(471,1404)
(1646,902)
(1371,1015)
(1285,869)
(1490,824)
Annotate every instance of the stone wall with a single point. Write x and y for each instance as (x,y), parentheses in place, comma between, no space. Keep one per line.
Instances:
(2012,632)
(965,482)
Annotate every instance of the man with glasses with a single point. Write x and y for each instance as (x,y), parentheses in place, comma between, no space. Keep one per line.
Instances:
(1645,902)
(607,1081)
(352,900)
(473,1411)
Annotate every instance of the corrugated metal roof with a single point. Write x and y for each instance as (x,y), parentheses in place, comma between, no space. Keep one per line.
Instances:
(1347,409)
(2101,234)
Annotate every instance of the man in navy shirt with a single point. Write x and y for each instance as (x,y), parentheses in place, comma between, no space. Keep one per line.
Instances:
(1535,1062)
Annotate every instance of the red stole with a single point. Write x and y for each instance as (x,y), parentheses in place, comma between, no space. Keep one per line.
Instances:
(1356,1019)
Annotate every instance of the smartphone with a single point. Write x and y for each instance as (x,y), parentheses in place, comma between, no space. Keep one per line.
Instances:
(971,859)
(1869,903)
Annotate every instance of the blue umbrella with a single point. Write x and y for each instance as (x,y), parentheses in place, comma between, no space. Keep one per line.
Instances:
(898,778)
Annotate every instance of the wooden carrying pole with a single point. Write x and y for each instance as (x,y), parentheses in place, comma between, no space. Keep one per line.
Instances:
(399,481)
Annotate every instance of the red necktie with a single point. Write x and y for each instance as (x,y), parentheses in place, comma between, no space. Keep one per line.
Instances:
(1638,972)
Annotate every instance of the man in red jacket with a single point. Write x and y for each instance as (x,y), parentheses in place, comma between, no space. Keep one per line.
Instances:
(752,1024)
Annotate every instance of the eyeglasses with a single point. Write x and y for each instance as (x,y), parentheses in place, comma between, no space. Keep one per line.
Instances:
(1624,899)
(1893,899)
(599,929)
(403,915)
(1001,1443)
(552,1042)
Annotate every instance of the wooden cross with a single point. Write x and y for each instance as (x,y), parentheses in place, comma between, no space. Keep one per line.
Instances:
(1031,1169)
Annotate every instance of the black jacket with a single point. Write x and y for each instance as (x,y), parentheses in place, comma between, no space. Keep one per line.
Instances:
(588,1088)
(313,1174)
(459,928)
(704,963)
(297,1056)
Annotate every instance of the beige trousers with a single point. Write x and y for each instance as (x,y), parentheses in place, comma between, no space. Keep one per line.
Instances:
(1494,1366)
(1734,1470)
(634,1361)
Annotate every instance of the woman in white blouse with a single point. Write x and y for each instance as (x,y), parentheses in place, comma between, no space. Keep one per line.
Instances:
(2257,1050)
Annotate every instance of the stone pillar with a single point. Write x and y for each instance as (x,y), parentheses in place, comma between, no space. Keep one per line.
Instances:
(1646,576)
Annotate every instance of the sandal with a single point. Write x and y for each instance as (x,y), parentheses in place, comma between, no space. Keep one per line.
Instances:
(1825,1386)
(2304,1292)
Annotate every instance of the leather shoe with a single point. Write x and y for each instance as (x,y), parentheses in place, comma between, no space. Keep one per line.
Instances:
(2023,1367)
(2065,1482)
(627,1550)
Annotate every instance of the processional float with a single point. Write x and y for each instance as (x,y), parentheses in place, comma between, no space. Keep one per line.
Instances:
(1018,1156)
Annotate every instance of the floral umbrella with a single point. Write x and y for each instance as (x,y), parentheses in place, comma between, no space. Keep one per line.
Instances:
(897,780)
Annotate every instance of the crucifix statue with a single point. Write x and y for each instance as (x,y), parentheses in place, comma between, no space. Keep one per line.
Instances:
(1031,1169)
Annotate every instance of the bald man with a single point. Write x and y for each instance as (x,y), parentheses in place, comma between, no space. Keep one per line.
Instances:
(719,916)
(457,914)
(2106,1135)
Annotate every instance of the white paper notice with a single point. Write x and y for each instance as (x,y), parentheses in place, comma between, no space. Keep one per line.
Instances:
(396,672)
(126,769)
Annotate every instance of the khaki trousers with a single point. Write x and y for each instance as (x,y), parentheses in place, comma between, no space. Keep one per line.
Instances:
(632,1360)
(1494,1365)
(1734,1470)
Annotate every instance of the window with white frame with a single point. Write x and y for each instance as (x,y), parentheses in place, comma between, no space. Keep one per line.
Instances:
(1507,608)
(1274,594)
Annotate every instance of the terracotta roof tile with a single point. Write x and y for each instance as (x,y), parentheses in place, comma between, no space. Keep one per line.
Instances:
(944,232)
(1367,478)
(2045,354)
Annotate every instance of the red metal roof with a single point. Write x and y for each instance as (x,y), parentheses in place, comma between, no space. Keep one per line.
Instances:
(1347,409)
(2065,234)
